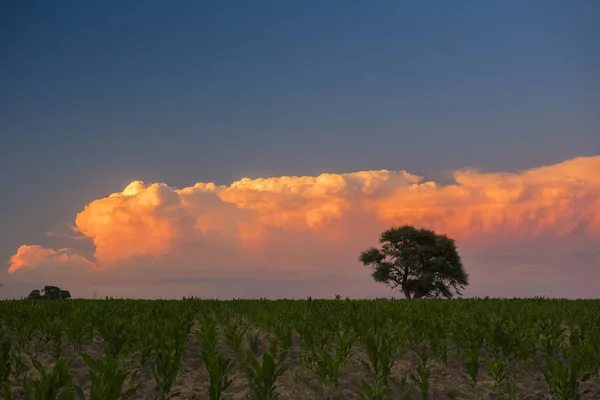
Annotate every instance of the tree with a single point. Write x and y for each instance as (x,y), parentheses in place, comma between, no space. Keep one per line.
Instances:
(421,262)
(50,293)
(55,293)
(35,294)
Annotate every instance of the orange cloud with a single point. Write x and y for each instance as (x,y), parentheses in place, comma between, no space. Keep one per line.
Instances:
(30,257)
(319,223)
(548,201)
(142,220)
(155,220)
(311,202)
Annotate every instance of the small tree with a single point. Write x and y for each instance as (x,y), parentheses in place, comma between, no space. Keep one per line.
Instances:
(55,293)
(35,294)
(421,262)
(50,293)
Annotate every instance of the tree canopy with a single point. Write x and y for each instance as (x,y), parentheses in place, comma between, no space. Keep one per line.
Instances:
(49,293)
(419,261)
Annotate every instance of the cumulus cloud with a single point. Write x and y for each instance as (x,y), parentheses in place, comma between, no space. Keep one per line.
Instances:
(142,220)
(310,226)
(37,263)
(554,201)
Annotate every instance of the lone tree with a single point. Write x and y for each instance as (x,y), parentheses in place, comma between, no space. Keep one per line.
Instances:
(421,262)
(49,293)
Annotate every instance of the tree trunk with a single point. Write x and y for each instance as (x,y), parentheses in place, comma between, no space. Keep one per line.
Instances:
(418,295)
(404,288)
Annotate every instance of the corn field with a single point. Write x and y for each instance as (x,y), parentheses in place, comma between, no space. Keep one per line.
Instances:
(300,349)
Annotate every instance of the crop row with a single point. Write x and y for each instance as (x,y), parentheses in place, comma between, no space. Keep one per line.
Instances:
(321,349)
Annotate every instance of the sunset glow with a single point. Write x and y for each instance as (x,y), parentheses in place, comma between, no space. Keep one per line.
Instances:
(300,225)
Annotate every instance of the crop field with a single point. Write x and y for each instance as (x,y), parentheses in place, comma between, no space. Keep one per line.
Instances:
(300,349)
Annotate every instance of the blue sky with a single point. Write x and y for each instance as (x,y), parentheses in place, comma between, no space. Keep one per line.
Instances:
(94,95)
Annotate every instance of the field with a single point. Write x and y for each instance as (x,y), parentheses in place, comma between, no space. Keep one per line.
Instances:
(300,349)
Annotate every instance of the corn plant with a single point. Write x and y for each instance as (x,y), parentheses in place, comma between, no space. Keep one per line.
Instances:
(324,364)
(77,331)
(5,368)
(234,336)
(108,377)
(383,349)
(564,381)
(328,360)
(594,356)
(143,341)
(344,341)
(117,336)
(52,331)
(170,342)
(18,367)
(563,369)
(439,342)
(423,373)
(56,385)
(263,373)
(254,342)
(470,340)
(376,389)
(220,368)
(498,369)
(498,364)
(25,332)
(307,333)
(284,333)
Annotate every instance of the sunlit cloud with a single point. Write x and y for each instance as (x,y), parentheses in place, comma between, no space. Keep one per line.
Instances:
(310,226)
(550,201)
(34,259)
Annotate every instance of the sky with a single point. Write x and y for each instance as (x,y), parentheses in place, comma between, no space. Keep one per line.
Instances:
(253,149)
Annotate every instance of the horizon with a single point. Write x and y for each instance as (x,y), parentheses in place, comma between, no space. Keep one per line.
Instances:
(255,149)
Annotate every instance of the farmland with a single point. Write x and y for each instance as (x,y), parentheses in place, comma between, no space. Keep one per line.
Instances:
(300,349)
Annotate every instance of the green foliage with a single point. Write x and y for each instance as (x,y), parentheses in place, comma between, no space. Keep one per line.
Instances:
(52,332)
(383,346)
(471,338)
(254,342)
(49,293)
(423,372)
(564,368)
(501,350)
(116,335)
(5,368)
(263,373)
(56,385)
(234,336)
(78,330)
(376,389)
(108,377)
(219,367)
(513,339)
(170,339)
(284,333)
(419,261)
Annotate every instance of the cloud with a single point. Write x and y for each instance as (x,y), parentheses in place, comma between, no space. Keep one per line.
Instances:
(142,220)
(66,231)
(550,201)
(312,227)
(38,263)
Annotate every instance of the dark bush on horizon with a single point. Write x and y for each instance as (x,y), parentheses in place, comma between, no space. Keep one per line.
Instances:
(49,293)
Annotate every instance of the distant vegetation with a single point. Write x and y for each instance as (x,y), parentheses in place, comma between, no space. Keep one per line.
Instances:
(49,293)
